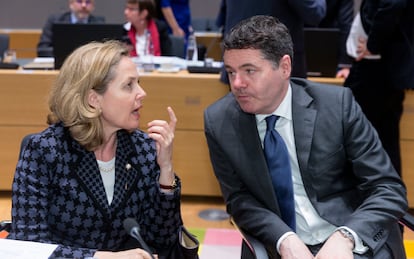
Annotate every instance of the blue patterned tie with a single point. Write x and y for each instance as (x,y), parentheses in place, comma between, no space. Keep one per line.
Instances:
(277,158)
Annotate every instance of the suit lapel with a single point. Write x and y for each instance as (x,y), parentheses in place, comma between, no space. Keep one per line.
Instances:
(252,159)
(125,174)
(303,124)
(126,171)
(87,172)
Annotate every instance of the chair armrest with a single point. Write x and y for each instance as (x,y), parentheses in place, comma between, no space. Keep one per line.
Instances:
(5,225)
(408,221)
(256,247)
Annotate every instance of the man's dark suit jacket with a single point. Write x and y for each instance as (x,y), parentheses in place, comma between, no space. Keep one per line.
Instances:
(291,13)
(45,46)
(346,173)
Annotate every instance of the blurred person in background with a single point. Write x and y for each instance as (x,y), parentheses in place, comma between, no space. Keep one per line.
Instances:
(340,14)
(383,68)
(146,33)
(80,12)
(177,14)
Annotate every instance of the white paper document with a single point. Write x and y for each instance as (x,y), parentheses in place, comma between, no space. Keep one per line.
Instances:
(16,249)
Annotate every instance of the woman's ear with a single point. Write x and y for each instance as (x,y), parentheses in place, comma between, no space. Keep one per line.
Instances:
(93,99)
(144,14)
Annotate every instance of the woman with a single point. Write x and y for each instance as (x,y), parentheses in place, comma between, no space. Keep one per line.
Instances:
(91,169)
(146,34)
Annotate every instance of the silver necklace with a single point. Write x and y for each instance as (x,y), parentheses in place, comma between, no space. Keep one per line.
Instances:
(106,169)
(109,169)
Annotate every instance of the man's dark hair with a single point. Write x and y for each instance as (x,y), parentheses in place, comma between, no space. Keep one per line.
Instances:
(264,33)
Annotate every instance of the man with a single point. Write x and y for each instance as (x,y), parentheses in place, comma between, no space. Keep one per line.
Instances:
(379,84)
(80,12)
(294,14)
(347,196)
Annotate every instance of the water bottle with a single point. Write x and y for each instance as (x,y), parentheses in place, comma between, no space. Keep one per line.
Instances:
(192,54)
(149,54)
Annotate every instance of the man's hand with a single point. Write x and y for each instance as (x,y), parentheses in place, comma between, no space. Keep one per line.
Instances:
(336,247)
(294,248)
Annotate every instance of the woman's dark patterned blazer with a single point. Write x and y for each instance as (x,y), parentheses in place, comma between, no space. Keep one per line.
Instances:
(59,197)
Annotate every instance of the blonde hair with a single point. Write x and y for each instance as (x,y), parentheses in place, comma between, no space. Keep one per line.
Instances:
(90,67)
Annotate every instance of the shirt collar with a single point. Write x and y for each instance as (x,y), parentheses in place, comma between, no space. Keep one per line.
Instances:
(74,19)
(283,110)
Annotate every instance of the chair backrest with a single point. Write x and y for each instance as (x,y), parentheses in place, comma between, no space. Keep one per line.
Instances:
(5,225)
(177,46)
(23,144)
(204,24)
(4,44)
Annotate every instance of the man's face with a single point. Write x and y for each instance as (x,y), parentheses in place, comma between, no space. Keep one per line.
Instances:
(82,8)
(257,84)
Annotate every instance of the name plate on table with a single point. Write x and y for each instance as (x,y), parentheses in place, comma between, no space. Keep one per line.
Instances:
(40,64)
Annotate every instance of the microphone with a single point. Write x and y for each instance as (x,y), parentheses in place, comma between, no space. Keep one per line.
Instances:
(132,228)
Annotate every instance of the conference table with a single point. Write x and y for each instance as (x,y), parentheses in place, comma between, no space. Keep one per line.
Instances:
(24,42)
(23,110)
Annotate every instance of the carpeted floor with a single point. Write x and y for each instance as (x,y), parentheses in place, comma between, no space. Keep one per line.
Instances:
(218,243)
(409,248)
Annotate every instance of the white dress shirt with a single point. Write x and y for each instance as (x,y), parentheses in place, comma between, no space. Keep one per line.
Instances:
(108,177)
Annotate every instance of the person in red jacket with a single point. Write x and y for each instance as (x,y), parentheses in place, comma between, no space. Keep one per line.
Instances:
(140,15)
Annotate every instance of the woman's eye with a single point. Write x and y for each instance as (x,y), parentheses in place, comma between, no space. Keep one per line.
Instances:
(129,85)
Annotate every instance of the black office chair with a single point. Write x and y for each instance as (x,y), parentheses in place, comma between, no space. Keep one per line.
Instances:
(258,251)
(4,44)
(204,24)
(177,46)
(251,247)
(6,224)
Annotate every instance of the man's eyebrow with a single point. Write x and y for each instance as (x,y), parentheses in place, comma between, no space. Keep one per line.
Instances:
(242,66)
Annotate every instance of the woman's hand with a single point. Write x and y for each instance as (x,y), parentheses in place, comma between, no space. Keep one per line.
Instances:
(163,134)
(133,253)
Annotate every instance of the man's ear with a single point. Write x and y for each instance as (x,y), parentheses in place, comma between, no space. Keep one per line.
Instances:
(285,65)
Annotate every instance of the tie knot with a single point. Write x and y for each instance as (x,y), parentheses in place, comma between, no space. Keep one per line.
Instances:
(271,121)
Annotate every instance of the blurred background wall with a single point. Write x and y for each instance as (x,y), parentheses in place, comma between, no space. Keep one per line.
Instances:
(26,14)
(29,14)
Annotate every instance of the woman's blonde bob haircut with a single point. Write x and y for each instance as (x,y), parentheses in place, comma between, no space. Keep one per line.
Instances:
(90,67)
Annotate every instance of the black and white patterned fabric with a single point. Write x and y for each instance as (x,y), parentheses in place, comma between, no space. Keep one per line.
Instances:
(59,197)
